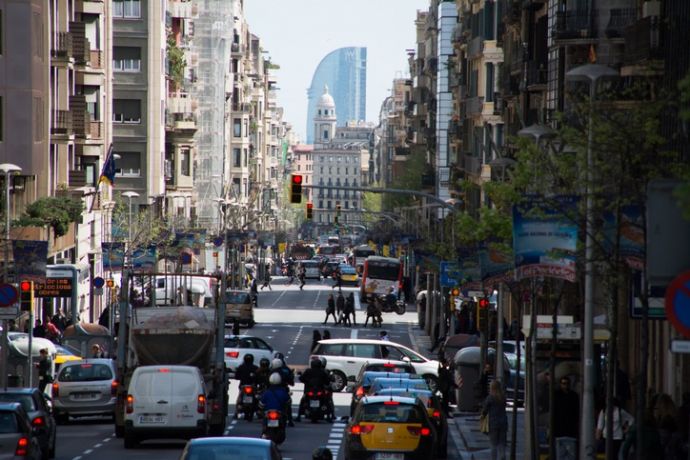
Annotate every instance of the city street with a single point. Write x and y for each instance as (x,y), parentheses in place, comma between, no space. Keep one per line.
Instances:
(285,319)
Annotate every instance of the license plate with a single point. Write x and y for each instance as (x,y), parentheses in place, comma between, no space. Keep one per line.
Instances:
(151,419)
(247,400)
(273,423)
(314,403)
(84,395)
(389,456)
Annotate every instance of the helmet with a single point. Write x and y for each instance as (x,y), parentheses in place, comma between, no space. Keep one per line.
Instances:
(275,379)
(322,453)
(323,362)
(315,363)
(264,362)
(279,355)
(249,358)
(277,363)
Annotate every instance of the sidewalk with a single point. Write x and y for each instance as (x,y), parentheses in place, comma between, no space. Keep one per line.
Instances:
(464,426)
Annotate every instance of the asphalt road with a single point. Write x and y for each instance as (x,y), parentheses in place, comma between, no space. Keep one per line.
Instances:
(286,318)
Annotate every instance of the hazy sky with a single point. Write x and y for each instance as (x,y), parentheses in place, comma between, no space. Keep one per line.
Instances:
(298,33)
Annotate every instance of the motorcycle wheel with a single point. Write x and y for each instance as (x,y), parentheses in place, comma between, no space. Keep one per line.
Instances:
(400,308)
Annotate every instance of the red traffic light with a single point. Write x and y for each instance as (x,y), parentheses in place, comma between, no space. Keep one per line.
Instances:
(310,205)
(297,179)
(483,303)
(25,286)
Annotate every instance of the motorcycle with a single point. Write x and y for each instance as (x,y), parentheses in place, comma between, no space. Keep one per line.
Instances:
(385,306)
(248,402)
(274,426)
(317,405)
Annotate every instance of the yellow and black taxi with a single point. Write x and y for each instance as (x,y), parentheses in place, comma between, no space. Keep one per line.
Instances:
(434,408)
(390,428)
(348,274)
(364,381)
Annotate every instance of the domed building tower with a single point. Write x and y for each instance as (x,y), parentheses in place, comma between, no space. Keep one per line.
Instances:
(325,119)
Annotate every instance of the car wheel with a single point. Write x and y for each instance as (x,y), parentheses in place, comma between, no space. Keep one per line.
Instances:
(339,381)
(251,323)
(131,440)
(61,418)
(432,381)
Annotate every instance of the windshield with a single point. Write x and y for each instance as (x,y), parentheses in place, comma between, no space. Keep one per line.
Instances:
(389,271)
(396,413)
(26,401)
(237,297)
(85,373)
(227,452)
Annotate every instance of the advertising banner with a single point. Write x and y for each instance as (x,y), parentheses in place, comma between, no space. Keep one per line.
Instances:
(545,238)
(144,259)
(113,256)
(30,259)
(495,265)
(632,241)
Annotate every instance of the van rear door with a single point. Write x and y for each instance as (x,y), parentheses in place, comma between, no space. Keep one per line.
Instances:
(152,400)
(187,387)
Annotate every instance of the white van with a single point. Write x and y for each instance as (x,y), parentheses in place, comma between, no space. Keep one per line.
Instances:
(165,402)
(170,290)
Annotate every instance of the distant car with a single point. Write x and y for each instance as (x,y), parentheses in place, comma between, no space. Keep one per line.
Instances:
(85,387)
(237,346)
(349,274)
(364,381)
(39,413)
(17,437)
(227,448)
(239,306)
(311,269)
(63,355)
(345,358)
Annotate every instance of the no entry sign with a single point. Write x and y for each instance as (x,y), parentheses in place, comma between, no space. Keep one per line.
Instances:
(678,303)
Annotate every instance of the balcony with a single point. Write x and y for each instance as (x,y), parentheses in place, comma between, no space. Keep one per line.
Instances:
(95,59)
(474,106)
(81,45)
(96,129)
(575,25)
(475,48)
(62,45)
(537,73)
(180,9)
(471,164)
(619,19)
(511,11)
(61,123)
(179,103)
(77,178)
(643,41)
(244,107)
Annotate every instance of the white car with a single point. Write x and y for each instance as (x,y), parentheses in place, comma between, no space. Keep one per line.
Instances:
(311,269)
(345,358)
(237,346)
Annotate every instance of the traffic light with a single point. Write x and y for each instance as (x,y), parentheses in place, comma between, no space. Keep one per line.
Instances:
(310,210)
(295,188)
(483,315)
(26,295)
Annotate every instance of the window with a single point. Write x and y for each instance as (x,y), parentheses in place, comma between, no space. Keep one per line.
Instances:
(236,158)
(129,164)
(325,134)
(185,162)
(363,350)
(127,111)
(347,171)
(126,59)
(130,9)
(237,127)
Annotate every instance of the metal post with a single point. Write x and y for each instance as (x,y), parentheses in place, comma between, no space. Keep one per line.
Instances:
(30,359)
(499,337)
(427,311)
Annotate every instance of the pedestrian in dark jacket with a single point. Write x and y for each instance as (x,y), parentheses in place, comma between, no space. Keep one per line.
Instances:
(39,330)
(495,407)
(350,307)
(330,310)
(340,307)
(316,336)
(44,375)
(567,410)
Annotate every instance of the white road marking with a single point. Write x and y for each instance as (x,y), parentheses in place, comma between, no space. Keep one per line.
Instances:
(353,333)
(107,439)
(88,451)
(77,457)
(358,305)
(97,445)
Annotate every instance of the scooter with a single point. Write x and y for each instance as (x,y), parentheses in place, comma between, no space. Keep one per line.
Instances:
(274,426)
(247,402)
(385,306)
(317,405)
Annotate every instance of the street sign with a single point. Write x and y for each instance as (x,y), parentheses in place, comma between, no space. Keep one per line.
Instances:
(98,291)
(450,275)
(98,282)
(9,312)
(54,287)
(8,295)
(680,346)
(678,303)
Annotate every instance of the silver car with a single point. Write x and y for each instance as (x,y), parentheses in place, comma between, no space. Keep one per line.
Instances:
(86,387)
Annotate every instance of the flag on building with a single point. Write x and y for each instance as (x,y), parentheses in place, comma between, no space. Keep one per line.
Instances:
(108,172)
(592,55)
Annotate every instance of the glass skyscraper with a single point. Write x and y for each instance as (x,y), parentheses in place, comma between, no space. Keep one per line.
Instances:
(345,72)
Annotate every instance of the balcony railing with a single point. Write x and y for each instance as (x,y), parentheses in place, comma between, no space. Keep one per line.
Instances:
(179,103)
(62,45)
(61,122)
(96,129)
(77,178)
(576,24)
(619,19)
(643,41)
(95,59)
(471,164)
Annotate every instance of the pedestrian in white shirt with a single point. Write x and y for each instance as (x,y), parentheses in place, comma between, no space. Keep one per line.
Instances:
(622,420)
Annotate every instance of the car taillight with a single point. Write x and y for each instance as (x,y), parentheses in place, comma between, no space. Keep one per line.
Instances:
(113,388)
(391,403)
(38,422)
(56,390)
(318,393)
(201,404)
(273,415)
(22,447)
(436,414)
(388,365)
(360,392)
(248,390)
(361,429)
(419,430)
(232,354)
(310,393)
(129,405)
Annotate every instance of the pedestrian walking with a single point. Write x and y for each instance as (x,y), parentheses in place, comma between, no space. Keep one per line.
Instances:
(567,411)
(315,337)
(254,291)
(302,276)
(330,310)
(326,334)
(375,314)
(267,279)
(52,332)
(338,279)
(622,420)
(39,330)
(495,408)
(340,307)
(44,375)
(97,351)
(350,307)
(383,335)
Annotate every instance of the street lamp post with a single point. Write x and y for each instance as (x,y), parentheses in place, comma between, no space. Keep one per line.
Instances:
(129,196)
(590,73)
(7,169)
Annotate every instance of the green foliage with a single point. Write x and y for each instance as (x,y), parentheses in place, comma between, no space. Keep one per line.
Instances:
(176,61)
(56,212)
(410,179)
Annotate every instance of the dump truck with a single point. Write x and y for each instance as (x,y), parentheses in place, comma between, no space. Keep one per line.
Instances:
(188,335)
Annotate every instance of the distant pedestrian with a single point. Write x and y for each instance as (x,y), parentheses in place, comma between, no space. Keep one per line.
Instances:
(383,335)
(330,310)
(338,279)
(495,408)
(326,334)
(44,375)
(350,307)
(302,276)
(567,410)
(316,336)
(97,351)
(52,333)
(340,307)
(39,330)
(267,279)
(235,327)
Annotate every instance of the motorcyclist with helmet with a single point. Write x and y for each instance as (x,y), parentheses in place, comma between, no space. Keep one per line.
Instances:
(246,374)
(316,378)
(322,453)
(391,298)
(263,373)
(276,397)
(287,377)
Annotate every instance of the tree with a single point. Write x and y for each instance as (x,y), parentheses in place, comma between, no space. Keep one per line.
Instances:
(55,212)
